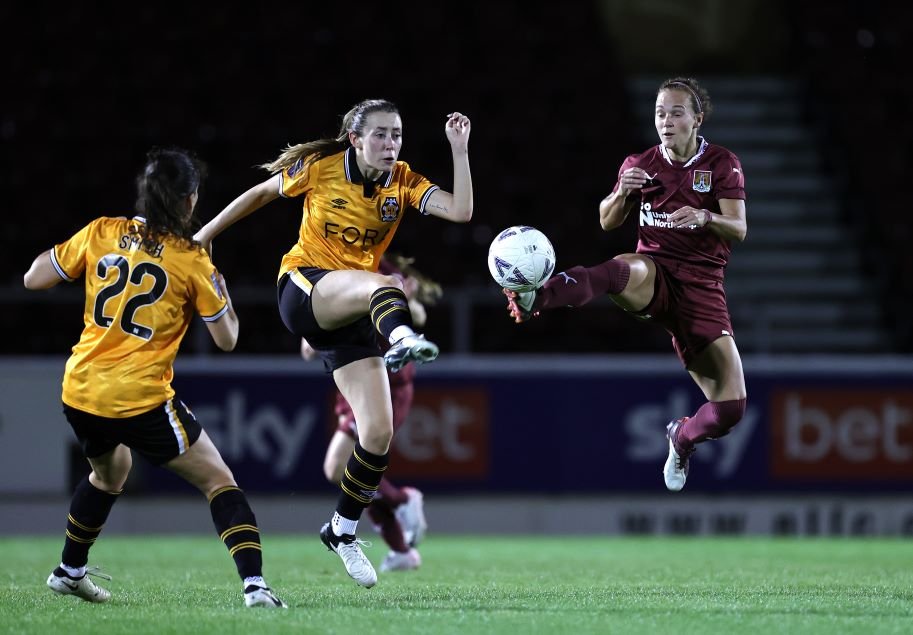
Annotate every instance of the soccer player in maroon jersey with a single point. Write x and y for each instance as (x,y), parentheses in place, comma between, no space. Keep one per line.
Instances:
(397,512)
(145,278)
(355,193)
(689,197)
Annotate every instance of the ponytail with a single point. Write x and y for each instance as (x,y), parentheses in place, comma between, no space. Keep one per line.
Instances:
(352,121)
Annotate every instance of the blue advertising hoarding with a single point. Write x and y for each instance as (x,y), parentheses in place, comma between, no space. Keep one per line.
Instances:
(560,425)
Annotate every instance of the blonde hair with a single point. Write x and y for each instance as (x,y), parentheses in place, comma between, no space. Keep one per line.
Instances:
(352,121)
(429,291)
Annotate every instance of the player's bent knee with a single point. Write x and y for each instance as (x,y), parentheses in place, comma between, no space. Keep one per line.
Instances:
(376,443)
(391,281)
(211,488)
(639,271)
(333,472)
(110,486)
(210,478)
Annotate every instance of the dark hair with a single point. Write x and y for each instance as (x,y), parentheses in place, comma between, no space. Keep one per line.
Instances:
(700,98)
(168,178)
(352,121)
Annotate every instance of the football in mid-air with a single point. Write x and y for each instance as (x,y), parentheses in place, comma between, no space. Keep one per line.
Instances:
(521,258)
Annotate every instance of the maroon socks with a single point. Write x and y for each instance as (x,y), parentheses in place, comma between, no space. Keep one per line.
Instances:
(579,285)
(711,421)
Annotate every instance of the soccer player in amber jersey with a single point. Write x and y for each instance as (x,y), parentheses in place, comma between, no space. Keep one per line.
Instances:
(355,192)
(689,198)
(144,280)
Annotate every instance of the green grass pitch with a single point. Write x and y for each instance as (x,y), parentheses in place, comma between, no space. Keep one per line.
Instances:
(486,585)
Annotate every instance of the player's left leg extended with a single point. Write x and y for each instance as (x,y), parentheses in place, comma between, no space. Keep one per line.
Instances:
(718,372)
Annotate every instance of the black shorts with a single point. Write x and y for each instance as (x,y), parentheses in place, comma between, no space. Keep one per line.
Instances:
(338,347)
(159,435)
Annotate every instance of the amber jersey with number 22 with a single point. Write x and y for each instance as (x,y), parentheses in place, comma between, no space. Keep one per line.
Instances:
(139,302)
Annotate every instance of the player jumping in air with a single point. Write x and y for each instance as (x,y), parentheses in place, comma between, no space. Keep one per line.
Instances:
(689,198)
(355,192)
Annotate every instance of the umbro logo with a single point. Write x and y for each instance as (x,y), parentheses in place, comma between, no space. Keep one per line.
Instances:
(339,203)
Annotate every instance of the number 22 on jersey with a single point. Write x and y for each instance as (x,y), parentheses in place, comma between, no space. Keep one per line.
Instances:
(118,269)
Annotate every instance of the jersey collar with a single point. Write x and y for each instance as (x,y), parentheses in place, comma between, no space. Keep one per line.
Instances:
(354,175)
(700,151)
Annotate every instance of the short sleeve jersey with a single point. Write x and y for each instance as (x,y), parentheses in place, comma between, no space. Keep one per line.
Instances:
(714,173)
(348,222)
(138,305)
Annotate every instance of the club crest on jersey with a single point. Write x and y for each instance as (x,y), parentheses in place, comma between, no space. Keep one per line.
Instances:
(389,211)
(701,182)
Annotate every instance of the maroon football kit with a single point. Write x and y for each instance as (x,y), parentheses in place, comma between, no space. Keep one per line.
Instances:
(689,300)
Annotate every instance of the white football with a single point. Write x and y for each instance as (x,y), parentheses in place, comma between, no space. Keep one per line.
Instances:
(521,258)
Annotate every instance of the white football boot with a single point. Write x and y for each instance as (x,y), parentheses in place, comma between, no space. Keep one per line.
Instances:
(412,348)
(401,561)
(256,595)
(675,471)
(83,588)
(411,517)
(348,548)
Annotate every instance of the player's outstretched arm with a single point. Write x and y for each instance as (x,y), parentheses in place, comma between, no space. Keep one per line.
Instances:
(249,202)
(42,274)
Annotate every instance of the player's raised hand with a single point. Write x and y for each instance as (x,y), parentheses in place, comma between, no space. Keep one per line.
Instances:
(457,130)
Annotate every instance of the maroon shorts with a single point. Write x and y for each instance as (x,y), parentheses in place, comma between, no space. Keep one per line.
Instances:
(401,391)
(690,303)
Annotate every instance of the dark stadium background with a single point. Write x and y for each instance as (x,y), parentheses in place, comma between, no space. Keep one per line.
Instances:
(815,97)
(88,91)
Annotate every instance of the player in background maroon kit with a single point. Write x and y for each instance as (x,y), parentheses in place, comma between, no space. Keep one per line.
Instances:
(689,196)
(397,512)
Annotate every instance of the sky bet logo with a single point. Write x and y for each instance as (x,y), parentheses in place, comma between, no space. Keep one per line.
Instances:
(842,434)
